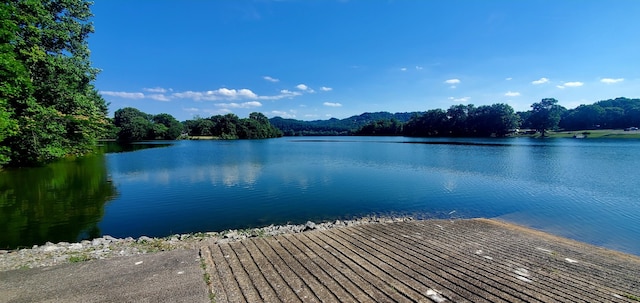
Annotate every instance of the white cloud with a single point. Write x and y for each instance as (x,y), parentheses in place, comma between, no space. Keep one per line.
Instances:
(462,99)
(188,95)
(285,93)
(249,104)
(326,89)
(560,86)
(155,90)
(453,82)
(125,95)
(283,114)
(540,81)
(332,104)
(220,94)
(159,97)
(232,94)
(512,94)
(302,87)
(508,79)
(611,80)
(573,84)
(404,69)
(419,67)
(191,109)
(271,79)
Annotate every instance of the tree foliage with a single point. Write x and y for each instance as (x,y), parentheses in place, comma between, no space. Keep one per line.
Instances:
(229,126)
(384,127)
(545,115)
(50,107)
(612,113)
(134,125)
(464,120)
(333,126)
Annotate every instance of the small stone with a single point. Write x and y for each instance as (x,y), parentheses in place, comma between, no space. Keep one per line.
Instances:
(309,226)
(231,234)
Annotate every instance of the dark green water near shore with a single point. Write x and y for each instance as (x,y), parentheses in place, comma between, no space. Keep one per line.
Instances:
(581,189)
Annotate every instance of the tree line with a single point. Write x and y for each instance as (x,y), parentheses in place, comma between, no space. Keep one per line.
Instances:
(131,124)
(458,121)
(500,119)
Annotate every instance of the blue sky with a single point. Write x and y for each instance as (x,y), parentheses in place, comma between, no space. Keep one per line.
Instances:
(313,60)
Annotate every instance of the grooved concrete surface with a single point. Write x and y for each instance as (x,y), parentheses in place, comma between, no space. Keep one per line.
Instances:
(475,260)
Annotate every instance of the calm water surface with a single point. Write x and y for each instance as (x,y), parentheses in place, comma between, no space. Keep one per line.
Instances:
(581,189)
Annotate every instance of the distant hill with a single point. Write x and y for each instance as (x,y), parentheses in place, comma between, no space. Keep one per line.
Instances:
(333,126)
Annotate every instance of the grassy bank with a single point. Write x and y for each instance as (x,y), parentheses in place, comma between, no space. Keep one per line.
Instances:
(598,133)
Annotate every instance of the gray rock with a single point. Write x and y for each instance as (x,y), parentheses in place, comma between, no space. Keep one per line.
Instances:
(144,239)
(50,248)
(75,246)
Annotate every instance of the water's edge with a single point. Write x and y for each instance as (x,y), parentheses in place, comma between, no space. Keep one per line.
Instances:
(106,247)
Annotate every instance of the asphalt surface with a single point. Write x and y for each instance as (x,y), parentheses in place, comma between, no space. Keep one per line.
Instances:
(174,276)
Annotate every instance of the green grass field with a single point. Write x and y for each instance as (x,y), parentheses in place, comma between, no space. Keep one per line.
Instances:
(598,133)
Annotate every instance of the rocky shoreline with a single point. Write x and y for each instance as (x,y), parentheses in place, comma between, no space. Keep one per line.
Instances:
(106,247)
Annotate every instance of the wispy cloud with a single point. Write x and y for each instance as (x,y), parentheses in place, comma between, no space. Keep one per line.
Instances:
(191,109)
(452,82)
(159,90)
(611,80)
(326,89)
(404,69)
(332,104)
(540,81)
(573,84)
(508,79)
(220,94)
(283,114)
(249,104)
(271,79)
(419,67)
(462,99)
(512,94)
(159,97)
(305,88)
(124,95)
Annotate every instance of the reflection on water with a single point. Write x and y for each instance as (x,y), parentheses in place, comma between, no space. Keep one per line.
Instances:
(63,201)
(581,189)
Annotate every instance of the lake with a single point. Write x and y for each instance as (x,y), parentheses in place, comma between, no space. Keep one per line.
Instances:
(580,189)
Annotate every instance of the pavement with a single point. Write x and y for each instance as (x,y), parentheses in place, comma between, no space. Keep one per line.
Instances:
(475,260)
(173,276)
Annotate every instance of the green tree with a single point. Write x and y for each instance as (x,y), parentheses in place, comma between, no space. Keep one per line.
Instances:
(545,115)
(49,102)
(133,124)
(173,126)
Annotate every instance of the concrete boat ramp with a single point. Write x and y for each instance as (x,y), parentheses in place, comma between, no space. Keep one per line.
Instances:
(474,260)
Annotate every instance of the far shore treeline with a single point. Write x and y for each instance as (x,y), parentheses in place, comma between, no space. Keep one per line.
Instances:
(497,120)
